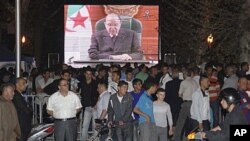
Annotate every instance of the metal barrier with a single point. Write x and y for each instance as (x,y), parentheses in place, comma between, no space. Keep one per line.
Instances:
(37,102)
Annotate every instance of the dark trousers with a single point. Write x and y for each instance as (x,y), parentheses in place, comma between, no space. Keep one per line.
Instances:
(65,130)
(215,109)
(25,129)
(193,124)
(182,120)
(103,137)
(24,135)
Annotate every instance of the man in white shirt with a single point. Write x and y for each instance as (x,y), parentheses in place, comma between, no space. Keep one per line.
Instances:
(63,106)
(165,77)
(187,88)
(232,80)
(43,81)
(200,108)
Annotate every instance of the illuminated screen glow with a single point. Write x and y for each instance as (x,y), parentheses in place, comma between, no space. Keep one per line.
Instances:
(80,23)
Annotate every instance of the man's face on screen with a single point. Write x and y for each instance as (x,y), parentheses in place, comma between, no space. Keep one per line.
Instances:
(113,25)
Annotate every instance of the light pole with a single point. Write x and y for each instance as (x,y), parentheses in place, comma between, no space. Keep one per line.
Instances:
(18,30)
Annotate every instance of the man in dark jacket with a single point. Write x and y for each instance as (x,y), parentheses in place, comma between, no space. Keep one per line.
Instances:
(172,98)
(89,98)
(24,110)
(229,99)
(119,112)
(115,42)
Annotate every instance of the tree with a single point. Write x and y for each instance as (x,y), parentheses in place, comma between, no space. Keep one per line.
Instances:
(188,23)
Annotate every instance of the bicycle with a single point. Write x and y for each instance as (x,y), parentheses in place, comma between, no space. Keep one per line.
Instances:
(102,129)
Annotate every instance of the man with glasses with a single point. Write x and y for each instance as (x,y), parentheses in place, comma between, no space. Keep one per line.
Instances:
(63,106)
(115,42)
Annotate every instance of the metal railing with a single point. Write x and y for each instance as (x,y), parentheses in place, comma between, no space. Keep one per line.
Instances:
(37,102)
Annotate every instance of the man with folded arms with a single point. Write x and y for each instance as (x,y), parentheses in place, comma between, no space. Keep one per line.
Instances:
(63,106)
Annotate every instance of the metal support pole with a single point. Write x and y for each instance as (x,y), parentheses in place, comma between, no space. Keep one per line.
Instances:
(18,29)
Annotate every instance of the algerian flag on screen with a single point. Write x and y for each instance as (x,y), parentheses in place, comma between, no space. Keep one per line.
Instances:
(78,31)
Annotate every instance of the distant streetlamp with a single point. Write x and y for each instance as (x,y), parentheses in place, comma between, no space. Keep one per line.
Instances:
(210,40)
(23,39)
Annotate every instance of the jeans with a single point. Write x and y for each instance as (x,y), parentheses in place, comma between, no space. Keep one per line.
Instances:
(89,113)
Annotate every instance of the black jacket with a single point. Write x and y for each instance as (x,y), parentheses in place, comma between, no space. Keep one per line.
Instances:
(235,117)
(89,93)
(52,87)
(24,112)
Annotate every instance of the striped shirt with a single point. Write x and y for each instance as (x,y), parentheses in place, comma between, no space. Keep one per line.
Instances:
(214,89)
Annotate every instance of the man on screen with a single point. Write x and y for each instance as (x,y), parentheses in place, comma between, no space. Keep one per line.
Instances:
(115,42)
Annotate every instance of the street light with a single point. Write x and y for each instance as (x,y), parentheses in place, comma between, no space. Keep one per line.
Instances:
(23,39)
(210,40)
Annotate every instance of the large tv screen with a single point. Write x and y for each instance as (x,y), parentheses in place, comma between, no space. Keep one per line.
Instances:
(87,33)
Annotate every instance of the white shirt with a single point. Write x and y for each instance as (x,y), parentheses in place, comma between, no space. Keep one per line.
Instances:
(196,78)
(119,98)
(231,81)
(112,87)
(164,79)
(37,79)
(64,107)
(200,108)
(187,88)
(102,103)
(42,84)
(130,86)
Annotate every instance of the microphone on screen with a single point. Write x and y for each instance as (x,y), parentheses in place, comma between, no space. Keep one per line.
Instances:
(70,59)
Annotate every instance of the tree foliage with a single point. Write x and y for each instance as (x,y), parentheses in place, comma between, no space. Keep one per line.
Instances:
(188,23)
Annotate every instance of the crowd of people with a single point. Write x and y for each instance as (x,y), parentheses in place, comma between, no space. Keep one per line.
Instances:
(145,103)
